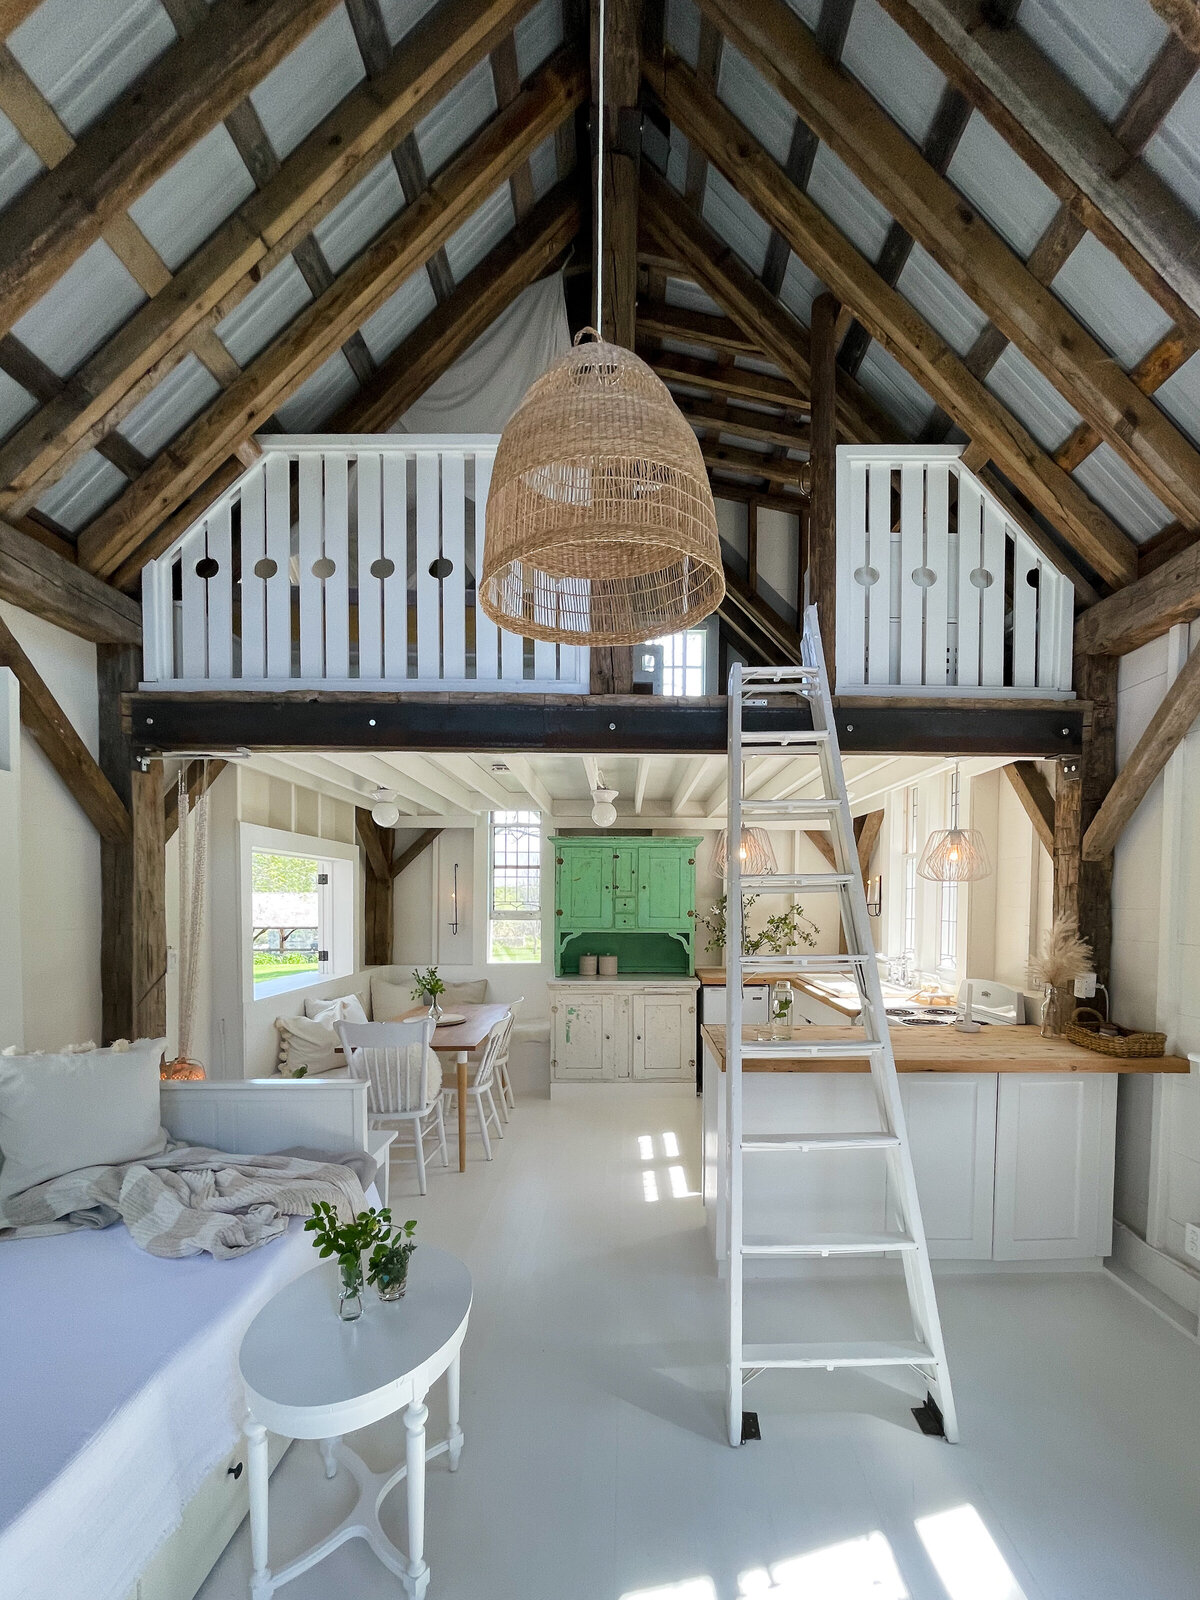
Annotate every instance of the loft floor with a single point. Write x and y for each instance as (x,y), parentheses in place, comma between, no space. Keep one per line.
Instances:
(595,1467)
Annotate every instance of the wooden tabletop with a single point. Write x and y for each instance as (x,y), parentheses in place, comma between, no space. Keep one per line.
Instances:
(468,1035)
(944,1049)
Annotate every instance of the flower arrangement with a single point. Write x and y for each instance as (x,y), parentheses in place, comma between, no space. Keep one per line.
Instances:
(778,935)
(428,986)
(1063,957)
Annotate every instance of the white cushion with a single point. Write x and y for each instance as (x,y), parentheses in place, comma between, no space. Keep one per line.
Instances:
(338,1008)
(472,993)
(306,1043)
(389,1001)
(79,1108)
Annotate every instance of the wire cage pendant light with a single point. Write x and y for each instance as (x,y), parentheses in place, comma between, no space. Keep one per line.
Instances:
(954,854)
(600,523)
(755,852)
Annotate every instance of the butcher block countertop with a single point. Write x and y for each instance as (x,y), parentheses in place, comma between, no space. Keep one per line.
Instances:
(944,1049)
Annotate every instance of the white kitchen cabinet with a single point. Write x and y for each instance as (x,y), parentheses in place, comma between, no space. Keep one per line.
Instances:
(951,1118)
(715,998)
(1055,1138)
(625,1028)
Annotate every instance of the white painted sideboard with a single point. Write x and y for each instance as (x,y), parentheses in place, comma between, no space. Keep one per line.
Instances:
(1009,1166)
(613,1029)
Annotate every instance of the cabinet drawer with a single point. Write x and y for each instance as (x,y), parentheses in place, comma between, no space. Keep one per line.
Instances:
(625,919)
(625,903)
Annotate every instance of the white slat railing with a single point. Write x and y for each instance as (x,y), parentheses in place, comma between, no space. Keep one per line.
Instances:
(340,563)
(938,590)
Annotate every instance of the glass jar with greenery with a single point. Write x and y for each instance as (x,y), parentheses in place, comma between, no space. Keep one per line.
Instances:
(428,986)
(347,1241)
(387,1266)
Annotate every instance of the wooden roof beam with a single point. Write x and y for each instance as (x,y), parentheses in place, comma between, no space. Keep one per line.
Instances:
(743,423)
(753,463)
(1032,790)
(404,246)
(898,327)
(882,157)
(45,584)
(190,88)
(739,383)
(662,321)
(1144,610)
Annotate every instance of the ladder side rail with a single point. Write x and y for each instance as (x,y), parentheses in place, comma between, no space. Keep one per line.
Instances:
(733,1050)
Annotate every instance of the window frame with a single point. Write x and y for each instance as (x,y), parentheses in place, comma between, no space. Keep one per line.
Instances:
(344,909)
(521,816)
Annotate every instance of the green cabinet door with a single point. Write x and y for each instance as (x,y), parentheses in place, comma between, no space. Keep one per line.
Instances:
(585,886)
(666,887)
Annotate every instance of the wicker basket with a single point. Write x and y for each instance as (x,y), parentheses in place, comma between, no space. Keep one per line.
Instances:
(1128,1045)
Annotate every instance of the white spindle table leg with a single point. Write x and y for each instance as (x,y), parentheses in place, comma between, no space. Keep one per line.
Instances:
(261,1586)
(415,1416)
(453,1397)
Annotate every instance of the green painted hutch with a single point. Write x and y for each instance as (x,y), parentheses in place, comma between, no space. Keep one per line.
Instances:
(632,897)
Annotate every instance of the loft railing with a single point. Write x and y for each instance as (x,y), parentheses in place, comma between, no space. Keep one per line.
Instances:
(343,563)
(938,590)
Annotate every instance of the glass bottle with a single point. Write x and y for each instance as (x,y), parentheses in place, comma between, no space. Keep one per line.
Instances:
(781,1010)
(350,1296)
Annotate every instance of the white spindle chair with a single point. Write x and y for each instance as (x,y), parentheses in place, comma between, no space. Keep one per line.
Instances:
(399,1088)
(503,1082)
(480,1088)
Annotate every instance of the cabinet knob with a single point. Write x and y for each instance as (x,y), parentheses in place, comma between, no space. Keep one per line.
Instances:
(558,913)
(558,861)
(691,913)
(691,861)
(608,1036)
(639,1037)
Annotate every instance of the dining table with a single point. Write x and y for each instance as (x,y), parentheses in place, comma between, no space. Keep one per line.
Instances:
(459,1039)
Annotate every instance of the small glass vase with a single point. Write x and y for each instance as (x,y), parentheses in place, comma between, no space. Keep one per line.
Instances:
(435,1010)
(350,1296)
(392,1286)
(781,1010)
(1052,1013)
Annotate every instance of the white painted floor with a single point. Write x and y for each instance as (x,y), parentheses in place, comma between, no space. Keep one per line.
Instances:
(594,1466)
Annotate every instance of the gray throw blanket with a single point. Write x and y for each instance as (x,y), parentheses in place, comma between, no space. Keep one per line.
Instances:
(188,1200)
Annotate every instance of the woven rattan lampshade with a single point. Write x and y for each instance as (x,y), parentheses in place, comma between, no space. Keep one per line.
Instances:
(757,853)
(601,527)
(955,855)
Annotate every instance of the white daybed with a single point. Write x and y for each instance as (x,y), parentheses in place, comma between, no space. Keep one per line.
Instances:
(119,1389)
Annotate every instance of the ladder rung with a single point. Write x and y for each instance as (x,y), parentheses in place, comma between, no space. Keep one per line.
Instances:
(808,806)
(775,736)
(779,675)
(802,1143)
(795,882)
(831,1244)
(865,1353)
(800,1050)
(822,962)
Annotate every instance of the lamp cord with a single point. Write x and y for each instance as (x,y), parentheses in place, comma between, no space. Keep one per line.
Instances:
(600,181)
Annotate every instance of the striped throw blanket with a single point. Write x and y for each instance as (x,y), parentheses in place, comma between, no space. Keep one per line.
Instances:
(188,1201)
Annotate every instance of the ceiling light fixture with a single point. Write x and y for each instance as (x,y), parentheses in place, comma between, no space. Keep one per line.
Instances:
(601,527)
(756,853)
(954,854)
(604,813)
(385,813)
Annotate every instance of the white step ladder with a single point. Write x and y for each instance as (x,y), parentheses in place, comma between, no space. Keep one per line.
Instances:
(925,1352)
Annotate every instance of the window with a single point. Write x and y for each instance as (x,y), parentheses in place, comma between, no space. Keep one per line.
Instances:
(515,887)
(948,917)
(909,930)
(683,661)
(290,920)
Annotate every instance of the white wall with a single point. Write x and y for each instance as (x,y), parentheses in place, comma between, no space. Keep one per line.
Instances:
(54,857)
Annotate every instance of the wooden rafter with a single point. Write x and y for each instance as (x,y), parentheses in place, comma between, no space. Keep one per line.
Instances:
(403,246)
(753,463)
(739,383)
(182,95)
(898,327)
(375,841)
(1032,790)
(662,321)
(201,775)
(744,423)
(882,157)
(1183,18)
(311,180)
(38,580)
(1144,610)
(419,845)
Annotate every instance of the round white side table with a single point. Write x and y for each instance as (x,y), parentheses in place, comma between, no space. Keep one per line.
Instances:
(308,1375)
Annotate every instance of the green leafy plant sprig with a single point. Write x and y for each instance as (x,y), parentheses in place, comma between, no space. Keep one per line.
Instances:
(427,983)
(778,935)
(388,1262)
(345,1240)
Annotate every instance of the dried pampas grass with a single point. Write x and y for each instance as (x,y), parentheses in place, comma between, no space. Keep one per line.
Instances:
(1064,956)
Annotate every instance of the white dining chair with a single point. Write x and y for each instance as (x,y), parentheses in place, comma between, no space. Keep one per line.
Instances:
(503,1082)
(479,1089)
(403,1078)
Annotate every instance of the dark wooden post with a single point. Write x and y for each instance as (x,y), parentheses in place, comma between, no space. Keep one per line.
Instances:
(378,844)
(822,514)
(1096,681)
(133,954)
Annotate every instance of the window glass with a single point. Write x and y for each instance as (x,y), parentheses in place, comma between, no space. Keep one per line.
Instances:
(515,887)
(291,933)
(683,661)
(909,932)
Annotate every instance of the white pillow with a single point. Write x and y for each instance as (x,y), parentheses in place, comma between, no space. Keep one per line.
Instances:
(77,1108)
(306,1043)
(339,1008)
(472,993)
(389,1001)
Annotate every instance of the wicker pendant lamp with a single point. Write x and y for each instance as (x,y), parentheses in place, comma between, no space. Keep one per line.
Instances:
(756,853)
(954,854)
(601,528)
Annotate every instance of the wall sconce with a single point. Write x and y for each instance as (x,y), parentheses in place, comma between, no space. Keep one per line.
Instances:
(875,895)
(454,902)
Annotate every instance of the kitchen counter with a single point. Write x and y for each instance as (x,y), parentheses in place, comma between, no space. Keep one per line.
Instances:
(944,1049)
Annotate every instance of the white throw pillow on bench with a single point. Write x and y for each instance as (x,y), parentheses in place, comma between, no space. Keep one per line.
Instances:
(304,1042)
(389,1001)
(338,1008)
(77,1108)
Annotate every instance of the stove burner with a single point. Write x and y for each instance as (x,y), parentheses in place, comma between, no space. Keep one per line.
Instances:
(900,1011)
(925,1022)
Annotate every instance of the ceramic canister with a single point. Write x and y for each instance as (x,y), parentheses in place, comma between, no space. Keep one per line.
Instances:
(608,966)
(587,966)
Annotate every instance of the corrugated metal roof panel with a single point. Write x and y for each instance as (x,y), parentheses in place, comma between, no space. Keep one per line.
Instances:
(1103,46)
(897,72)
(690,297)
(15,404)
(543,165)
(1174,151)
(1180,397)
(193,197)
(538,33)
(808,11)
(308,83)
(457,117)
(1110,301)
(170,406)
(755,103)
(82,56)
(1000,186)
(397,317)
(677,160)
(359,216)
(800,287)
(329,388)
(689,347)
(482,230)
(401,15)
(1122,494)
(756,363)
(83,491)
(267,309)
(18,164)
(940,301)
(737,222)
(683,29)
(848,203)
(900,395)
(91,300)
(1032,398)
